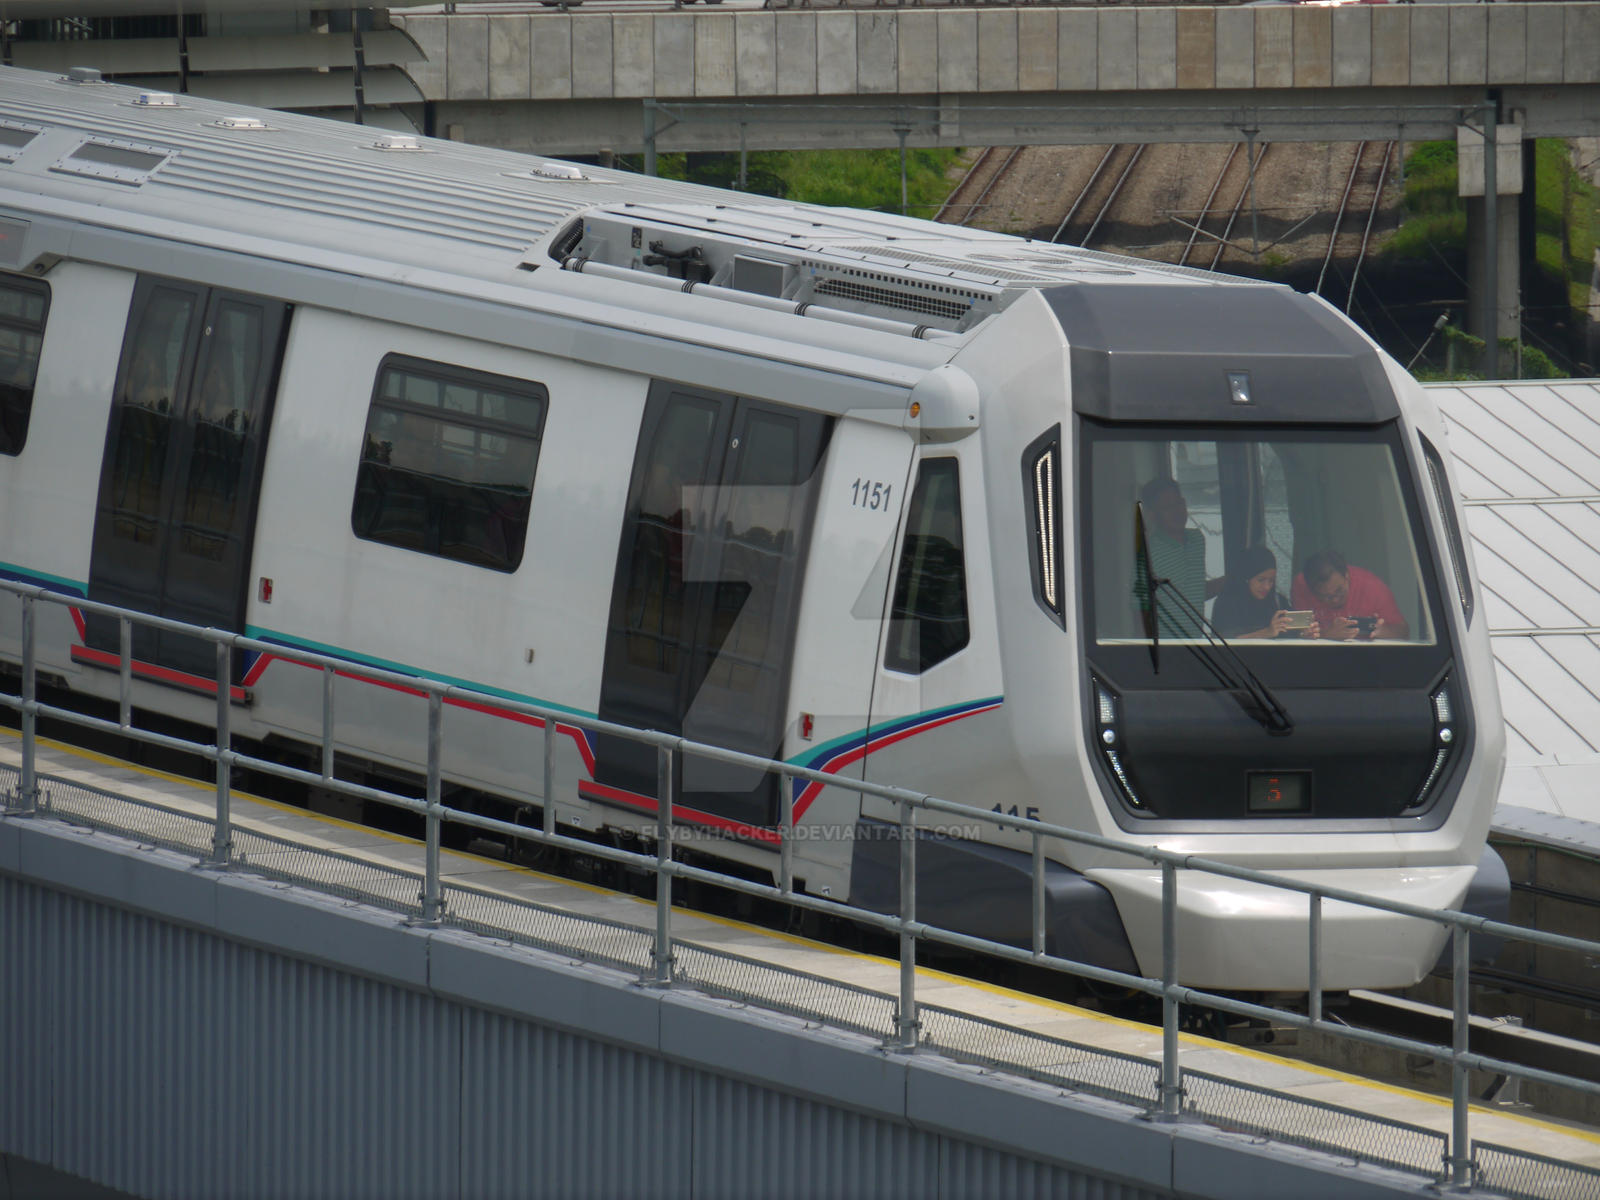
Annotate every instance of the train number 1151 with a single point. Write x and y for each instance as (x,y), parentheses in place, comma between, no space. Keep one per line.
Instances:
(864,493)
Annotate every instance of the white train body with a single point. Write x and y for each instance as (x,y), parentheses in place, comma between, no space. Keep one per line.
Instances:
(903,458)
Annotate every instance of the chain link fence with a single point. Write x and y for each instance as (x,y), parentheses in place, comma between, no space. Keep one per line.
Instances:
(1523,1176)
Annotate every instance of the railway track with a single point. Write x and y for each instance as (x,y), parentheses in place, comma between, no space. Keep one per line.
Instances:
(1098,197)
(1358,207)
(1211,231)
(972,193)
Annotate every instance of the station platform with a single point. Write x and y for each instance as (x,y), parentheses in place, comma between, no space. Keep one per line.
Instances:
(71,775)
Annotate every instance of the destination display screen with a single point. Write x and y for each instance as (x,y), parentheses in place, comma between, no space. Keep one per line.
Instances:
(1280,791)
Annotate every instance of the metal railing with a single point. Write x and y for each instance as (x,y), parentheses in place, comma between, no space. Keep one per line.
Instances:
(909,1030)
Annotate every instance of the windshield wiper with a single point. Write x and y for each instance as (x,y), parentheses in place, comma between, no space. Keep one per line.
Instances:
(1254,696)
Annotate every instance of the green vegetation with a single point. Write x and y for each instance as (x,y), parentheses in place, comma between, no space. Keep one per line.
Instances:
(1566,231)
(848,178)
(1464,360)
(1566,219)
(1435,217)
(1567,222)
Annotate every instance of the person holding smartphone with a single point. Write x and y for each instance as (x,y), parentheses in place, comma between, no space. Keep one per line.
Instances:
(1250,605)
(1350,603)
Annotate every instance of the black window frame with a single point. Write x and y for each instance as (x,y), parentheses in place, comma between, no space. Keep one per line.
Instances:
(16,408)
(929,654)
(1042,495)
(446,375)
(1439,478)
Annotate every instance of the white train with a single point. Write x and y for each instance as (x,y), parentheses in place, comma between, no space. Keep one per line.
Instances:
(847,489)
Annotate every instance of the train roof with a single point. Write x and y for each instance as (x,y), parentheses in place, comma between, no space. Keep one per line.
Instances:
(298,188)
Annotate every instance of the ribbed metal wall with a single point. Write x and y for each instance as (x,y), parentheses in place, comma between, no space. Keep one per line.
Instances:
(751,1141)
(548,1114)
(170,1062)
(166,1062)
(28,1025)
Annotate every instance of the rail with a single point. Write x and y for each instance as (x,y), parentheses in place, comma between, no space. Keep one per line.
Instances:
(1170,1103)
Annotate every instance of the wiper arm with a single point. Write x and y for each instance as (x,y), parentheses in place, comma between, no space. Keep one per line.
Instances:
(1265,706)
(1258,699)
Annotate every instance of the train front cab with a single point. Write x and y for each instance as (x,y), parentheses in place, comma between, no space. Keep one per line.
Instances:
(1283,428)
(1276,425)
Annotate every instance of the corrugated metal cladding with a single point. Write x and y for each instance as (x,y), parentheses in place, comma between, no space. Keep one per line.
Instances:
(1527,458)
(166,1062)
(179,1064)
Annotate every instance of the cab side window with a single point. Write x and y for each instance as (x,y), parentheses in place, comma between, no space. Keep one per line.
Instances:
(24,304)
(928,620)
(448,461)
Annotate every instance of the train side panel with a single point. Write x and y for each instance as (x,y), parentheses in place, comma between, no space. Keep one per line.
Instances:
(535,633)
(47,494)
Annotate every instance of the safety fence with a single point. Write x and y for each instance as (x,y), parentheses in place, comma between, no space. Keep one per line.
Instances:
(1164,1088)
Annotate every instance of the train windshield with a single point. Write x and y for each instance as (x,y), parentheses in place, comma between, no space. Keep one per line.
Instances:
(1275,537)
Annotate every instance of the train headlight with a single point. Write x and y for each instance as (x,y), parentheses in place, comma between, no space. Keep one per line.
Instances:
(1444,740)
(1106,724)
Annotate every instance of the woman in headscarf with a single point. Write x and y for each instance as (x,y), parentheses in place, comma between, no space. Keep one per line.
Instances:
(1250,605)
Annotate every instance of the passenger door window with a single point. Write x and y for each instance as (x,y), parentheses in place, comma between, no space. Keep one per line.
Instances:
(185,449)
(24,305)
(709,569)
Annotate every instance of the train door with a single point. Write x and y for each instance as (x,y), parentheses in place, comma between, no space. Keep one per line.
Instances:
(181,476)
(931,681)
(702,624)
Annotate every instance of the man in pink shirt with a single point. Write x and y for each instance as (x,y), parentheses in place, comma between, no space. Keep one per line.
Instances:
(1346,598)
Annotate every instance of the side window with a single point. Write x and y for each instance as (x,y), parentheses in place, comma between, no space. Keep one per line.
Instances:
(24,304)
(928,622)
(1447,507)
(448,461)
(1041,482)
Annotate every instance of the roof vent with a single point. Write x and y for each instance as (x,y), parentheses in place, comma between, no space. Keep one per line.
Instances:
(82,75)
(155,100)
(403,142)
(247,123)
(549,170)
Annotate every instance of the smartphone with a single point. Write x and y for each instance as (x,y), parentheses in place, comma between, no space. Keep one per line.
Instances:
(1300,618)
(1365,624)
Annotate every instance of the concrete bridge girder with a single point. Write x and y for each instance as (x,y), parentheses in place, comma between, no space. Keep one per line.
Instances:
(583,127)
(570,74)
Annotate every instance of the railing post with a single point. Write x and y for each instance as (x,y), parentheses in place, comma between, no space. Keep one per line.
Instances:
(125,672)
(432,904)
(327,723)
(1461,1027)
(662,954)
(1314,976)
(1171,1073)
(786,835)
(906,1023)
(549,775)
(28,785)
(1038,894)
(222,832)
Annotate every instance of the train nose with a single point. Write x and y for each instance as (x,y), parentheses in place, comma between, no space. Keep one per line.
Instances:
(1229,929)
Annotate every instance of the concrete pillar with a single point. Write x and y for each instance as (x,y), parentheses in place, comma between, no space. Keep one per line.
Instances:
(1497,318)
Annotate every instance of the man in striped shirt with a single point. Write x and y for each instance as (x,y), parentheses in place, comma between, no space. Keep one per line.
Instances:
(1176,554)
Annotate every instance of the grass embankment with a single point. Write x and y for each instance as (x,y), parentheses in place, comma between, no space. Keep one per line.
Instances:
(1566,232)
(846,178)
